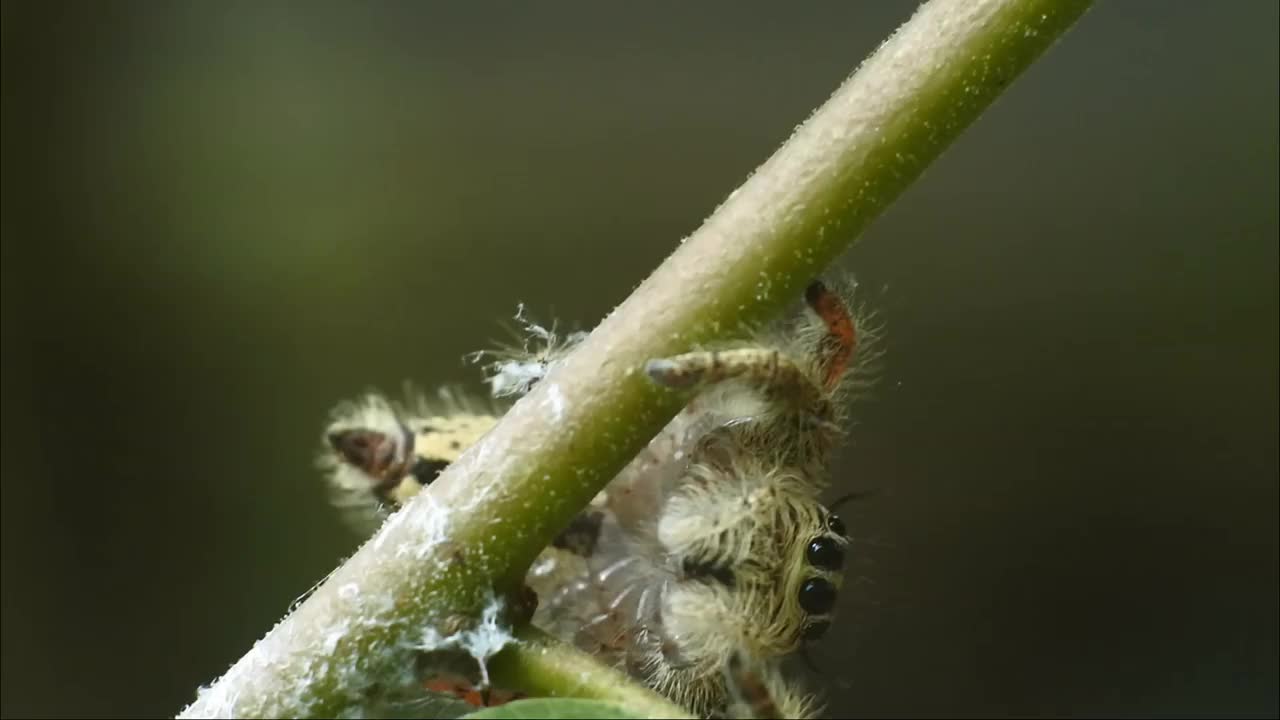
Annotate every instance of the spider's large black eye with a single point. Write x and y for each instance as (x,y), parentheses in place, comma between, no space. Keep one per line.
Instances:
(837,525)
(823,552)
(817,596)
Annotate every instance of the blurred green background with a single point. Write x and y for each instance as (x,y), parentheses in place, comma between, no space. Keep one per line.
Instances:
(220,218)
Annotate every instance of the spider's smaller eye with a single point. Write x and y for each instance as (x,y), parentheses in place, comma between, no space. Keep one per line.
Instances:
(836,525)
(823,552)
(813,631)
(817,596)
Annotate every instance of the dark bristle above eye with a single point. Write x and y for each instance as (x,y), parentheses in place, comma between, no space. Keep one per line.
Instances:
(825,553)
(817,596)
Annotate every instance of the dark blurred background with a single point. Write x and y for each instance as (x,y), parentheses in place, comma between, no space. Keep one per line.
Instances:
(220,218)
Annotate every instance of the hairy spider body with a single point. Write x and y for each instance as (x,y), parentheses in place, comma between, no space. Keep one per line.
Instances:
(711,544)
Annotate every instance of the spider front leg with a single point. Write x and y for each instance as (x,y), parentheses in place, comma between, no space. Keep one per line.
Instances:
(758,690)
(807,375)
(766,369)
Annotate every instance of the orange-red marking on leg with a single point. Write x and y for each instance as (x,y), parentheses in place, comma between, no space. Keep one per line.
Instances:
(470,694)
(840,329)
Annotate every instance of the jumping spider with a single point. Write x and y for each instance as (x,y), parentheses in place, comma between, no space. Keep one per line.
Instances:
(711,544)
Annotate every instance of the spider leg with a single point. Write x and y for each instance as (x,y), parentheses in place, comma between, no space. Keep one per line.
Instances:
(767,369)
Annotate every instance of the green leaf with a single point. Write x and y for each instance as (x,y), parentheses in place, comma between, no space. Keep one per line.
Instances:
(554,709)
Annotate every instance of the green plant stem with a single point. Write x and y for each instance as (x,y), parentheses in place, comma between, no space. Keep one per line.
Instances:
(541,664)
(439,561)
